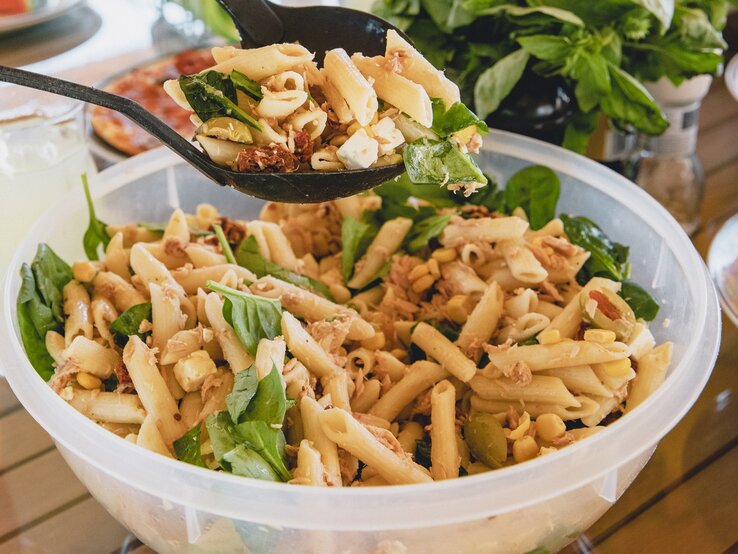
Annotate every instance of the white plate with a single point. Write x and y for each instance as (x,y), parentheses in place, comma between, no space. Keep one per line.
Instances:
(51,10)
(731,77)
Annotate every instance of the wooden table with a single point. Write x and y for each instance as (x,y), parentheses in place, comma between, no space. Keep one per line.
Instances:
(683,501)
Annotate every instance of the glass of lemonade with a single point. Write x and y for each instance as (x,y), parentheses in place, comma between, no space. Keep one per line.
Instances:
(43,152)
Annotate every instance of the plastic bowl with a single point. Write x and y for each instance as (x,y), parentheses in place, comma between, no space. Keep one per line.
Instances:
(543,503)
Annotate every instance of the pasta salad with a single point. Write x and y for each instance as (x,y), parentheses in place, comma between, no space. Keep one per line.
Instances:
(401,336)
(271,109)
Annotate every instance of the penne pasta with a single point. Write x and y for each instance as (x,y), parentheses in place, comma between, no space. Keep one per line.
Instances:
(109,407)
(541,389)
(445,458)
(359,95)
(561,354)
(438,347)
(421,376)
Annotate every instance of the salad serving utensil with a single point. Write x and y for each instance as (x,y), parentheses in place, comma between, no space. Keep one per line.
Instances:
(259,22)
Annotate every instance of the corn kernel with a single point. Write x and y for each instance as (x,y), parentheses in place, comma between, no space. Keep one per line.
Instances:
(457,310)
(550,427)
(444,255)
(339,140)
(403,330)
(88,381)
(545,450)
(376,342)
(433,268)
(602,336)
(424,283)
(617,368)
(551,336)
(353,128)
(524,449)
(418,271)
(399,353)
(85,271)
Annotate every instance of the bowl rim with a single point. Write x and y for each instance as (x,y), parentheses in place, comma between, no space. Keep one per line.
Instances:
(471,498)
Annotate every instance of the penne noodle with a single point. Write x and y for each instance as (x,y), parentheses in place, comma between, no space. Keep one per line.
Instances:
(561,354)
(109,407)
(541,389)
(150,438)
(233,351)
(535,409)
(482,322)
(580,379)
(485,229)
(91,357)
(77,310)
(189,280)
(152,390)
(303,347)
(438,347)
(201,256)
(522,263)
(121,292)
(651,373)
(311,412)
(270,354)
(421,376)
(309,470)
(388,240)
(116,257)
(445,458)
(310,306)
(342,74)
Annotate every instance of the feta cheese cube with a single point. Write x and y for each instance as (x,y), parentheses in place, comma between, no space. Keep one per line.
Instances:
(359,151)
(387,135)
(192,370)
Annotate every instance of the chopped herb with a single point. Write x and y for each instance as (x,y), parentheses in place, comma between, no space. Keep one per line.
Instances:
(224,245)
(129,323)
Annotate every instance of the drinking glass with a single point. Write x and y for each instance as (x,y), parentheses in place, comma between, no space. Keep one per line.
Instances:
(43,153)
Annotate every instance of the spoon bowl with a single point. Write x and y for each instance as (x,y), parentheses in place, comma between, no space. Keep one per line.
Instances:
(259,22)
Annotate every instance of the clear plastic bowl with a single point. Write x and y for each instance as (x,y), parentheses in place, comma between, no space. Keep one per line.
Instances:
(547,502)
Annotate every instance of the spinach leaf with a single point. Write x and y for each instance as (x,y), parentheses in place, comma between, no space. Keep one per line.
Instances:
(96,233)
(51,274)
(252,317)
(440,162)
(212,94)
(456,118)
(247,463)
(397,191)
(535,189)
(423,231)
(248,256)
(629,101)
(34,319)
(129,323)
(224,245)
(187,447)
(270,402)
(244,388)
(220,430)
(495,83)
(423,453)
(246,85)
(355,239)
(608,259)
(266,441)
(643,304)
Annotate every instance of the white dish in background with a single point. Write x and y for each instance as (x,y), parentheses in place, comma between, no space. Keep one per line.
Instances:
(544,503)
(50,10)
(731,77)
(722,259)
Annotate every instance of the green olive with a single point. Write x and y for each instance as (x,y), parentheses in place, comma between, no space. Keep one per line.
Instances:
(226,128)
(604,309)
(485,438)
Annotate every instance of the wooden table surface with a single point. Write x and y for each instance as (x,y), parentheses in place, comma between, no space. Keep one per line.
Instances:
(683,501)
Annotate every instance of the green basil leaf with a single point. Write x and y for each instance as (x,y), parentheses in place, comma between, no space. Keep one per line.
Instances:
(456,118)
(535,189)
(51,274)
(495,83)
(643,304)
(129,322)
(33,317)
(550,48)
(249,256)
(629,101)
(423,231)
(608,258)
(245,462)
(212,94)
(252,317)
(246,85)
(593,79)
(355,239)
(187,447)
(96,233)
(440,162)
(266,441)
(245,385)
(578,130)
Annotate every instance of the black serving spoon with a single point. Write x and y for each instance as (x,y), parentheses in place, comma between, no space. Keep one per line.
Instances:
(318,28)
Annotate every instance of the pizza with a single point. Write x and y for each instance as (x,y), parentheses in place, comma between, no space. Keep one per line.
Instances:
(144,85)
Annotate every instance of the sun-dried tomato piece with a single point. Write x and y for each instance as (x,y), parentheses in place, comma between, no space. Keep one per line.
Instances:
(267,159)
(303,146)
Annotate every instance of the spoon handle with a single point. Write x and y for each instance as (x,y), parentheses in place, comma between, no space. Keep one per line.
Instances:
(132,110)
(256,21)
